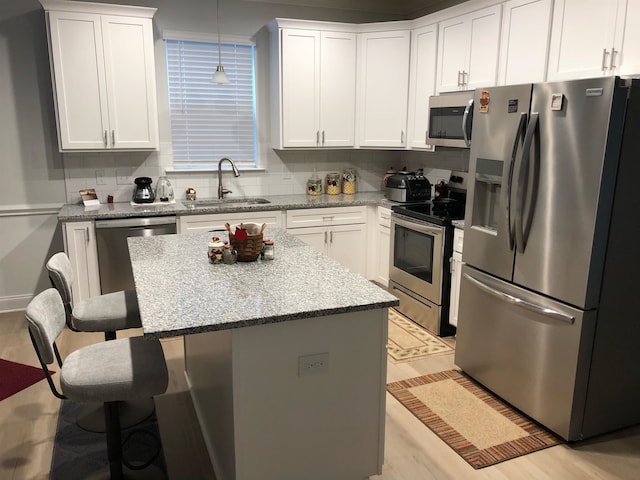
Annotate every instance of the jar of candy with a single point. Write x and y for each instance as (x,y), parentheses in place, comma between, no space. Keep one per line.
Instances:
(314,185)
(215,250)
(349,180)
(333,183)
(268,250)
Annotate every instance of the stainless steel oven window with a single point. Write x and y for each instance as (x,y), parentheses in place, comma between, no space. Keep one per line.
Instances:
(413,253)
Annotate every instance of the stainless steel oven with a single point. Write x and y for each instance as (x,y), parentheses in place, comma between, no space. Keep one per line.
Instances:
(421,249)
(416,271)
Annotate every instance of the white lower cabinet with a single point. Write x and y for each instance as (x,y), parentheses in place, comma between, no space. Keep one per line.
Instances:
(340,233)
(216,221)
(383,246)
(81,248)
(456,275)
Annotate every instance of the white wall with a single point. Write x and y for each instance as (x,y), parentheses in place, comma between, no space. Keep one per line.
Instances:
(37,179)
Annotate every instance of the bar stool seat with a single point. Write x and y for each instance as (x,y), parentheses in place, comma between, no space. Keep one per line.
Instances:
(107,313)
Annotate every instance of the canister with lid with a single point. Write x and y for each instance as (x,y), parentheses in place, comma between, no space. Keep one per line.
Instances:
(349,180)
(333,183)
(314,185)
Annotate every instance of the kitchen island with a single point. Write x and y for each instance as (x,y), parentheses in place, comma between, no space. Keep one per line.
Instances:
(285,359)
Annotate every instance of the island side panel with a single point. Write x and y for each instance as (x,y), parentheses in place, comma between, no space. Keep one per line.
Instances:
(321,425)
(208,370)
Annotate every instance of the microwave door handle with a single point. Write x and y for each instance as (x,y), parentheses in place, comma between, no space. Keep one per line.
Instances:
(524,167)
(522,126)
(465,123)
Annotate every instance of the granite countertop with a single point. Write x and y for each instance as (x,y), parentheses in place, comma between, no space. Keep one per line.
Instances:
(180,292)
(74,213)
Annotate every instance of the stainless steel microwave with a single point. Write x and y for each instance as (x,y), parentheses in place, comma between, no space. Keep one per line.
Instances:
(450,119)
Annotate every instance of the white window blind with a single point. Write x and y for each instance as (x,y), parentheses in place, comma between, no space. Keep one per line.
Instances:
(210,121)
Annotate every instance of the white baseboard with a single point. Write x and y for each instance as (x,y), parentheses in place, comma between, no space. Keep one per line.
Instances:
(14,303)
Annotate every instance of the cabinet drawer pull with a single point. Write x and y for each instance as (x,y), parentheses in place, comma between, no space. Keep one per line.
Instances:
(604,59)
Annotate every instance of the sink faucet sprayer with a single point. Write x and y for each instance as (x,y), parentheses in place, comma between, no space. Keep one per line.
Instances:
(222,191)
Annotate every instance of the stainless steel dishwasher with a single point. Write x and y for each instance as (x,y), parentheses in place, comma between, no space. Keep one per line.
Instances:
(113,252)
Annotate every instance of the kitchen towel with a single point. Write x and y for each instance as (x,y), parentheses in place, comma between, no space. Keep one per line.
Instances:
(478,426)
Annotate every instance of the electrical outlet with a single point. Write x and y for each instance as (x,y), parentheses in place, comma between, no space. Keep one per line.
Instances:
(286,173)
(100,178)
(124,177)
(317,363)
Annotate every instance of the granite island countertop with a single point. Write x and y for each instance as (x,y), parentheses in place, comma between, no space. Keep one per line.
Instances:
(180,292)
(77,212)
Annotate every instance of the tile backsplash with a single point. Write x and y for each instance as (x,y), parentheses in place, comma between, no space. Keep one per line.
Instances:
(282,172)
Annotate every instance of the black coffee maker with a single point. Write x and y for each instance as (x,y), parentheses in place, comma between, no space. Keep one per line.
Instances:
(143,192)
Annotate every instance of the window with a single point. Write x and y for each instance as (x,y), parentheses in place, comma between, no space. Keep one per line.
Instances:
(210,121)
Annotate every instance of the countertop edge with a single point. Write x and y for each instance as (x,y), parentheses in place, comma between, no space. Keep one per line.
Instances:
(272,319)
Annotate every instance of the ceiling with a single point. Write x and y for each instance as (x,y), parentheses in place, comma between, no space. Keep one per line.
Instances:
(402,8)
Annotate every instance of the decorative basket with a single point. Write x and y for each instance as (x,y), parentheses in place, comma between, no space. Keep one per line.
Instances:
(248,248)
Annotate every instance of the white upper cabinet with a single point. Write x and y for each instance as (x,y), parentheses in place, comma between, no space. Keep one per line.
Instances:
(586,38)
(468,50)
(383,88)
(422,84)
(526,27)
(103,72)
(317,88)
(628,62)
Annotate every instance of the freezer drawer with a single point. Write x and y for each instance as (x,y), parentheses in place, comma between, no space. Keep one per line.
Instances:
(531,351)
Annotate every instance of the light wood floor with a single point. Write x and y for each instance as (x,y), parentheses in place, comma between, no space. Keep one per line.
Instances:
(28,423)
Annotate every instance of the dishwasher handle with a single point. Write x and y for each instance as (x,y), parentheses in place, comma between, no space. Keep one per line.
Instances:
(136,222)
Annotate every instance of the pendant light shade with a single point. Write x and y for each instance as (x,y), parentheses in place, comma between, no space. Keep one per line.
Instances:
(219,77)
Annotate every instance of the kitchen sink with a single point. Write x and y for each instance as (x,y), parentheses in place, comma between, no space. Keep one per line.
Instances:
(226,202)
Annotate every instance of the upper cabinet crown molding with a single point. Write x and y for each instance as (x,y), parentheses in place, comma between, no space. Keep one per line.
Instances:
(98,8)
(103,73)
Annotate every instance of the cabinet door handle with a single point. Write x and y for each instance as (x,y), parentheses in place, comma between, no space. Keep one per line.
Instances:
(331,238)
(451,266)
(317,137)
(465,78)
(612,65)
(459,74)
(113,138)
(325,238)
(604,59)
(323,138)
(86,234)
(105,138)
(402,137)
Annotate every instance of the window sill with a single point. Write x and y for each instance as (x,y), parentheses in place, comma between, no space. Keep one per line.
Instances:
(212,170)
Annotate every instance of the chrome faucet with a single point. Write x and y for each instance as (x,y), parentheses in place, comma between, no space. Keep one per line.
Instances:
(222,191)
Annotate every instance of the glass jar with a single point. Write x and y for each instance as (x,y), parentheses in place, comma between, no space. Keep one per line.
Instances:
(268,250)
(215,250)
(333,183)
(230,255)
(349,181)
(314,185)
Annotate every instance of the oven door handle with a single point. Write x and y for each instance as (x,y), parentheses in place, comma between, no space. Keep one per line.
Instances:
(413,224)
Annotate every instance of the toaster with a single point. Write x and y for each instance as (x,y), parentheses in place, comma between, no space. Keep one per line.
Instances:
(408,187)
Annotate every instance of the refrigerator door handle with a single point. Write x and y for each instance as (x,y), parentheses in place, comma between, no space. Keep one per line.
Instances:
(545,311)
(465,123)
(510,224)
(521,242)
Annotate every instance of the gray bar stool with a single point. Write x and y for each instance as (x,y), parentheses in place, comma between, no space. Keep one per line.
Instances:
(102,313)
(108,372)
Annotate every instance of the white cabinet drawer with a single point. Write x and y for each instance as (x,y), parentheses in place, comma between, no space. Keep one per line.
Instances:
(384,216)
(319,217)
(216,221)
(458,239)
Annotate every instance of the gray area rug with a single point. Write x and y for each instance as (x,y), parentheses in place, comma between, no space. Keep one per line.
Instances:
(78,453)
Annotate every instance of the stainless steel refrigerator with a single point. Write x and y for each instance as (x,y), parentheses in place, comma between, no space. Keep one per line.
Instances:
(549,315)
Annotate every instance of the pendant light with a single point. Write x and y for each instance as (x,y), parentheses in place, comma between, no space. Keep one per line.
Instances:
(219,77)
